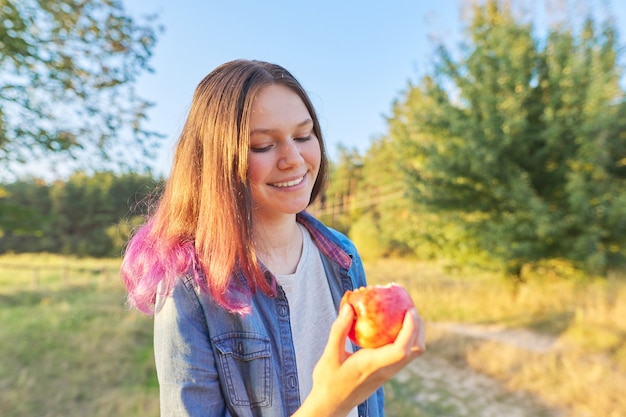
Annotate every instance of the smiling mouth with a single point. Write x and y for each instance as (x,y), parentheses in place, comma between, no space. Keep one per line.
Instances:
(288,183)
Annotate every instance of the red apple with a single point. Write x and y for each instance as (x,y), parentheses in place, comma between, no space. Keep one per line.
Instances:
(378,313)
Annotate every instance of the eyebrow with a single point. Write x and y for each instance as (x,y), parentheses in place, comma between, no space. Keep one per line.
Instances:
(269,131)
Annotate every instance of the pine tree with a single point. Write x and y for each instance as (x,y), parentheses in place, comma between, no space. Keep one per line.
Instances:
(520,143)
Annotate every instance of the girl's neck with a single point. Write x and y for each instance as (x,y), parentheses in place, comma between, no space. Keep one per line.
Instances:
(279,244)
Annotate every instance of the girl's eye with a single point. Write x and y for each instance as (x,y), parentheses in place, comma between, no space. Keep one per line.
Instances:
(260,149)
(304,139)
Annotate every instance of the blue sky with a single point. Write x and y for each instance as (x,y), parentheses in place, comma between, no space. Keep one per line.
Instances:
(353,57)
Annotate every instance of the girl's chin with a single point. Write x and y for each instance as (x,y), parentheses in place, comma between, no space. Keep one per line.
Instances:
(284,210)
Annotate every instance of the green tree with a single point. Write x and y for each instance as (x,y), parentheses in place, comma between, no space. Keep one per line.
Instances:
(86,207)
(518,145)
(383,221)
(87,215)
(345,174)
(26,213)
(67,75)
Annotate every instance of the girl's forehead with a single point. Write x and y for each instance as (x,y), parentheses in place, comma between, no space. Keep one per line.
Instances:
(277,104)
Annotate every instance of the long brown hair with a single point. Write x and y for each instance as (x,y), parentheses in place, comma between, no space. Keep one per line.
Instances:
(206,201)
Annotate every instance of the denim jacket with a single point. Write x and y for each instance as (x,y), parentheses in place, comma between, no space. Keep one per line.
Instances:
(214,363)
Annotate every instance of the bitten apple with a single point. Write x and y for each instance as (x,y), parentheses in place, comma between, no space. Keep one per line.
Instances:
(378,313)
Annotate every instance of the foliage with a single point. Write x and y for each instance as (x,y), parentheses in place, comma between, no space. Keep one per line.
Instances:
(345,174)
(18,219)
(380,204)
(85,216)
(68,68)
(520,143)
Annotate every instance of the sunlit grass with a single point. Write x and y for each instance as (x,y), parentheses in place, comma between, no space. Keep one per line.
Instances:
(583,384)
(27,271)
(69,345)
(74,349)
(583,373)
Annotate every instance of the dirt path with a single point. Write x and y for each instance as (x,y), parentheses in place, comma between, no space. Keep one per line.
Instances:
(520,338)
(447,390)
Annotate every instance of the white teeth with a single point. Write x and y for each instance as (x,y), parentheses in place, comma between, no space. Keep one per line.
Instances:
(288,183)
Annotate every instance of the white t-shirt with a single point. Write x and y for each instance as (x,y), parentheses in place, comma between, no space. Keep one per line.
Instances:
(307,291)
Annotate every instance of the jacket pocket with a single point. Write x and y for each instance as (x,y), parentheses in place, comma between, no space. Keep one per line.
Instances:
(246,366)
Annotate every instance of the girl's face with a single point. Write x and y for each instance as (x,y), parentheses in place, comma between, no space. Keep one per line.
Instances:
(284,155)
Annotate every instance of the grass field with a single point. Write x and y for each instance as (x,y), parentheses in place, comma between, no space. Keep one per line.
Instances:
(584,373)
(70,347)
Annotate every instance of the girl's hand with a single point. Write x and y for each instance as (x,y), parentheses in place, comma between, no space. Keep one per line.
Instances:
(342,380)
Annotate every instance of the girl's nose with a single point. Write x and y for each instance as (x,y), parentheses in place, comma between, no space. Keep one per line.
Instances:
(290,155)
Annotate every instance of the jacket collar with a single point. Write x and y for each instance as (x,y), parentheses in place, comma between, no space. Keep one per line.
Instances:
(325,240)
